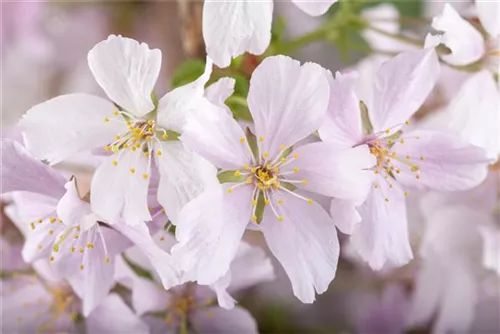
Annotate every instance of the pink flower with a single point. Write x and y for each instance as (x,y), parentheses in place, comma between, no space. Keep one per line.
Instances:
(61,228)
(139,135)
(42,302)
(420,159)
(266,178)
(230,28)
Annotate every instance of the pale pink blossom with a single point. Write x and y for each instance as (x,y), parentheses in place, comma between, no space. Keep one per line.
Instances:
(420,159)
(139,135)
(231,28)
(266,185)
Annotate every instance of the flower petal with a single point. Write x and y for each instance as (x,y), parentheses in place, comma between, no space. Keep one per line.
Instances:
(465,42)
(473,113)
(345,215)
(219,91)
(114,316)
(333,172)
(382,236)
(21,172)
(209,231)
(314,7)
(58,128)
(219,320)
(491,247)
(305,243)
(127,71)
(148,296)
(70,208)
(218,137)
(342,125)
(401,86)
(175,106)
(120,188)
(489,12)
(288,101)
(443,162)
(232,27)
(184,175)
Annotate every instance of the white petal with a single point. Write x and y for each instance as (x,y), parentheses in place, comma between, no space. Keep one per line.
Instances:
(184,175)
(491,248)
(314,7)
(474,114)
(219,91)
(345,215)
(465,42)
(489,14)
(287,101)
(122,189)
(58,128)
(384,17)
(71,209)
(232,27)
(127,71)
(401,87)
(175,106)
(305,243)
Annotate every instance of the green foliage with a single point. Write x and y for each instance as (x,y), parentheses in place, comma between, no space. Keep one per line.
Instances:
(188,72)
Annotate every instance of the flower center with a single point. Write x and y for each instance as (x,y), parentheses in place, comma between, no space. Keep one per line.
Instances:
(266,179)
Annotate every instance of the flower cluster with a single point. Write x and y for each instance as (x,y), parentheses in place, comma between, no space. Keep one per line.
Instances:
(179,181)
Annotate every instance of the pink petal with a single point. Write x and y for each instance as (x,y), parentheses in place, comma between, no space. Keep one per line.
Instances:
(382,236)
(218,320)
(333,172)
(68,124)
(70,208)
(218,137)
(489,12)
(281,91)
(209,231)
(314,7)
(21,172)
(401,87)
(114,316)
(305,243)
(444,162)
(342,125)
(345,215)
(219,91)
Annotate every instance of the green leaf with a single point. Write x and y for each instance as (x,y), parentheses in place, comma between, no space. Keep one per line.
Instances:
(188,72)
(239,107)
(241,85)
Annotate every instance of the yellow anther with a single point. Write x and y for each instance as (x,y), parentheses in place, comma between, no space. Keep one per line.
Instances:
(391,186)
(280,201)
(268,166)
(402,140)
(242,140)
(72,249)
(115,162)
(266,202)
(393,154)
(415,169)
(276,170)
(303,181)
(76,236)
(145,176)
(422,158)
(164,136)
(254,202)
(375,171)
(375,186)
(265,155)
(51,232)
(237,173)
(138,145)
(417,176)
(310,201)
(146,154)
(283,160)
(117,137)
(388,131)
(132,170)
(249,180)
(295,170)
(407,193)
(408,157)
(151,122)
(253,218)
(116,113)
(245,166)
(158,153)
(229,190)
(390,141)
(107,260)
(78,228)
(125,146)
(386,199)
(261,139)
(296,156)
(280,218)
(253,170)
(107,148)
(90,245)
(82,267)
(52,220)
(407,122)
(133,148)
(32,224)
(128,122)
(282,147)
(106,119)
(51,259)
(115,148)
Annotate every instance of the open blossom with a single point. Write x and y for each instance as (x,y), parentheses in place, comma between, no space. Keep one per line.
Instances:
(230,28)
(60,227)
(134,130)
(265,179)
(194,307)
(420,159)
(41,302)
(474,113)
